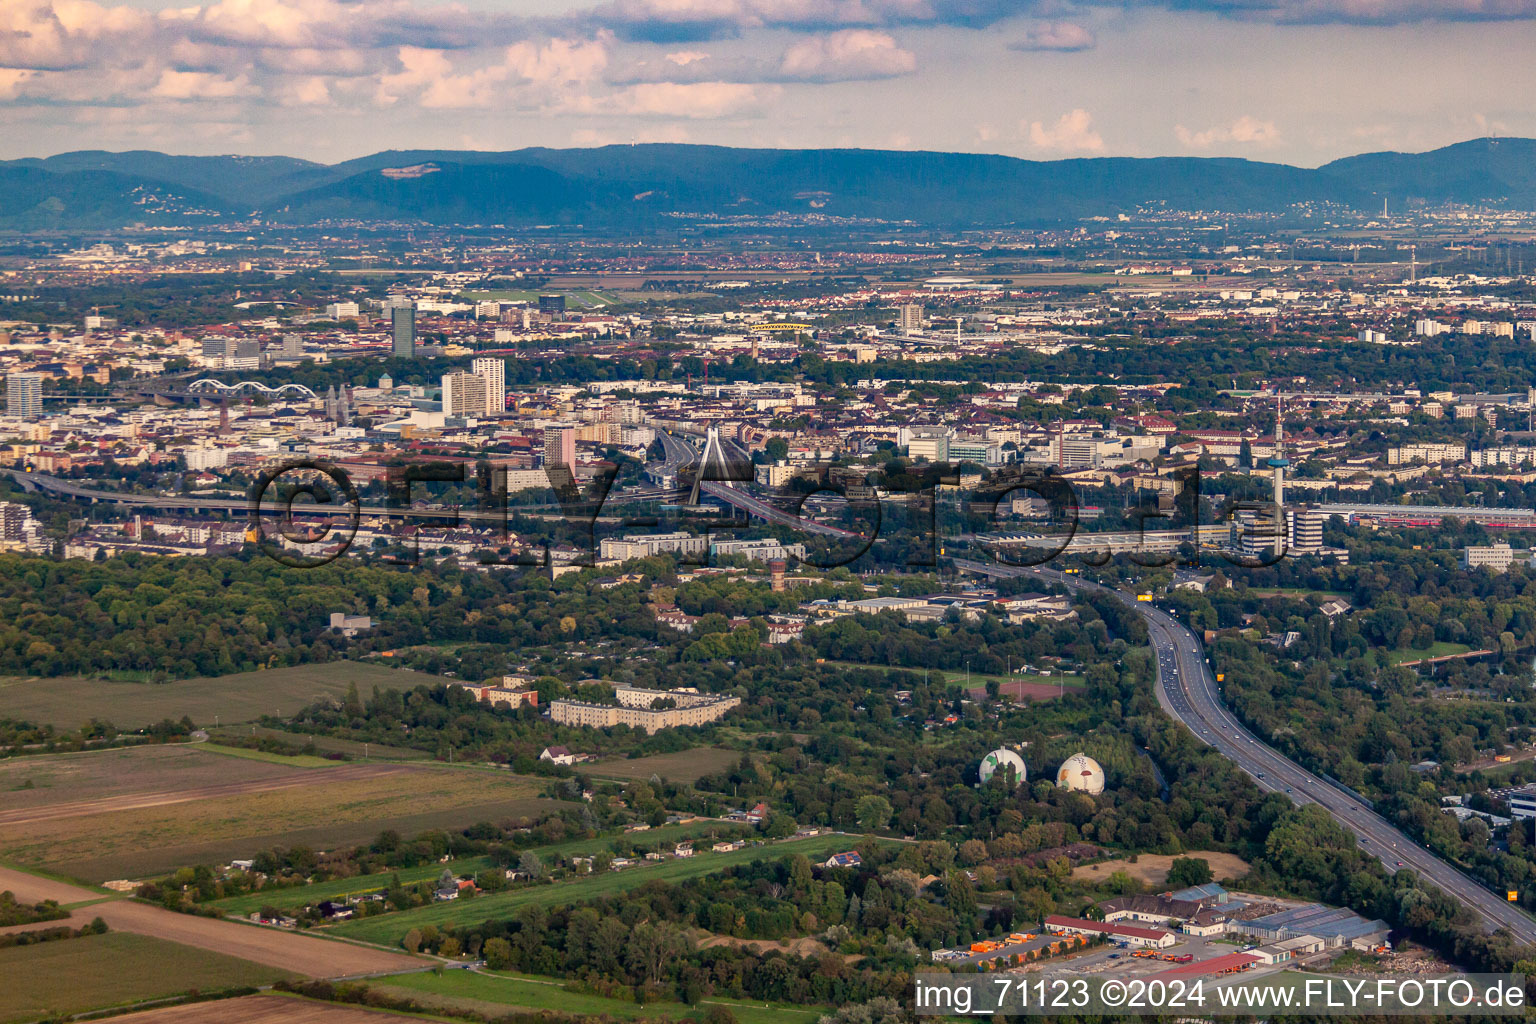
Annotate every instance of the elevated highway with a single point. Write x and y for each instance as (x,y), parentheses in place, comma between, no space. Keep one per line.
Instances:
(680,453)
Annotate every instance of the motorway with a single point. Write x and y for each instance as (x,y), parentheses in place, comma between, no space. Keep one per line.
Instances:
(1187,690)
(680,453)
(677,454)
(272,505)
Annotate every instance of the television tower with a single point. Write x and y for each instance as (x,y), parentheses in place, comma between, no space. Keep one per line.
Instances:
(1278,462)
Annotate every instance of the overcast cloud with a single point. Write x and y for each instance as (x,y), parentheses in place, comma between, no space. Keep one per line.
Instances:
(1301,81)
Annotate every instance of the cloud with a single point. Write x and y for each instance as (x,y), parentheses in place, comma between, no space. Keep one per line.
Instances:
(42,36)
(1072,133)
(1062,36)
(199,85)
(686,99)
(528,76)
(1246,130)
(372,24)
(331,62)
(1364,12)
(849,55)
(558,61)
(11,81)
(1487,126)
(676,21)
(673,133)
(313,91)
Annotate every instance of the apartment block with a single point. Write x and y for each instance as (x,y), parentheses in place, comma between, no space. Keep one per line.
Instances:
(635,708)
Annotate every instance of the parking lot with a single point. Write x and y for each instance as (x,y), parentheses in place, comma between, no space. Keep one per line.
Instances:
(1007,951)
(1108,959)
(1121,963)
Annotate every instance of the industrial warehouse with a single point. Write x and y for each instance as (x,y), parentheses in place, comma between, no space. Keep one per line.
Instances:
(1192,929)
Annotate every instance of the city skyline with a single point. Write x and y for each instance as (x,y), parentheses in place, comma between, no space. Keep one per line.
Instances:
(328,81)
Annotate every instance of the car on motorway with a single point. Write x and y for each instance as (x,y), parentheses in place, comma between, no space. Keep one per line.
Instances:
(1261,775)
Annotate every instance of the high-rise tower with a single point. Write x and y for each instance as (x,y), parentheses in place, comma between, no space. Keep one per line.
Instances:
(402,322)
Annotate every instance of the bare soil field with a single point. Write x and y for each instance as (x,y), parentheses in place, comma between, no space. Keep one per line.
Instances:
(682,766)
(1152,868)
(72,701)
(805,946)
(264,1010)
(33,810)
(64,778)
(284,950)
(146,826)
(149,861)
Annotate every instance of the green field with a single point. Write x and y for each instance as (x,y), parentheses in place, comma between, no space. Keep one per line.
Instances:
(323,744)
(959,676)
(291,760)
(681,766)
(224,700)
(646,840)
(1438,649)
(1295,592)
(493,992)
(389,929)
(98,971)
(301,896)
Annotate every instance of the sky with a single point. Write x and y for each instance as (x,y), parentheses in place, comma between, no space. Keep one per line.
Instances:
(1292,81)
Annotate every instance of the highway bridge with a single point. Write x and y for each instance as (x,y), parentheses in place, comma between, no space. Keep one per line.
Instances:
(242,505)
(680,453)
(1187,690)
(469,516)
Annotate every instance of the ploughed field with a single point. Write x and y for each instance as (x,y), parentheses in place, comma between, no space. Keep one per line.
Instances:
(134,812)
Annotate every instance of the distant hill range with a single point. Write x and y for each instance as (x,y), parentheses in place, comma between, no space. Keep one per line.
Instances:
(636,186)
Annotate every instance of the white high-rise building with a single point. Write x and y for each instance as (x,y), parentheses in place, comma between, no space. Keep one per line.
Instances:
(1306,530)
(911,318)
(494,373)
(463,394)
(24,395)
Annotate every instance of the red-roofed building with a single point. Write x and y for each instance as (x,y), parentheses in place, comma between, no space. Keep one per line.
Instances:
(1226,963)
(1150,424)
(1147,938)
